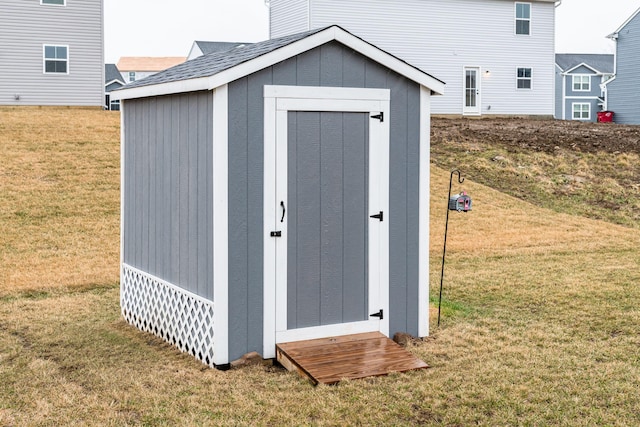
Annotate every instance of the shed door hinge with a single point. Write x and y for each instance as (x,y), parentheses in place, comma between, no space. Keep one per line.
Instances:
(377,216)
(379,116)
(379,314)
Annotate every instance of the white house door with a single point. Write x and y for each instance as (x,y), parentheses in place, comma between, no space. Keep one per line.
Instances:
(471,91)
(326,212)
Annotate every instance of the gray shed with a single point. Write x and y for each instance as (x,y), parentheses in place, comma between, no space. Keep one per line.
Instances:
(277,192)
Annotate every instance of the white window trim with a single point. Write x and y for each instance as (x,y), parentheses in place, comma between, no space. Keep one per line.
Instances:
(573,83)
(573,106)
(44,59)
(524,78)
(64,3)
(516,19)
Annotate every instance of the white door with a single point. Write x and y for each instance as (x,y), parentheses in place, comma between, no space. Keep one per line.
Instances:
(326,213)
(471,92)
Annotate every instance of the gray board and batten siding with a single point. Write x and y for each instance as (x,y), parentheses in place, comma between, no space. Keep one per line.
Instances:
(328,65)
(168,209)
(328,159)
(25,27)
(623,92)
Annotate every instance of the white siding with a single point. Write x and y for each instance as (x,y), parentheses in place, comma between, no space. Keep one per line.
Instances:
(442,37)
(25,26)
(288,17)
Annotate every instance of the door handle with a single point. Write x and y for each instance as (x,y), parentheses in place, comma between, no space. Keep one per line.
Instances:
(283,210)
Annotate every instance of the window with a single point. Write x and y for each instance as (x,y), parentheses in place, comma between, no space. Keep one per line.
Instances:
(56,59)
(524,78)
(581,111)
(132,76)
(523,18)
(581,83)
(56,2)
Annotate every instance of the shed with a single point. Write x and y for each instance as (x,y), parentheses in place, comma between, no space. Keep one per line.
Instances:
(277,192)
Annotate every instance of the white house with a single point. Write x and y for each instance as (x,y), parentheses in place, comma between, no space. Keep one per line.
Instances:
(496,56)
(47,57)
(200,47)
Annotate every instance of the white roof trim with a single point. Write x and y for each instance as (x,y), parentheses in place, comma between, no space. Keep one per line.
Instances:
(582,64)
(281,54)
(614,35)
(114,81)
(608,81)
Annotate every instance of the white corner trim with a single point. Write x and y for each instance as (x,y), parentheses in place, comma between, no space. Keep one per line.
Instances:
(423,213)
(221,224)
(122,187)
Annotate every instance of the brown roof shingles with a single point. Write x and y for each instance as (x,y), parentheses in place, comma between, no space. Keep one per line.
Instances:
(148,63)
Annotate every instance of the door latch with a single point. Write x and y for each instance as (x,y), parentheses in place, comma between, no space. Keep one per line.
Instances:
(378,314)
(276,234)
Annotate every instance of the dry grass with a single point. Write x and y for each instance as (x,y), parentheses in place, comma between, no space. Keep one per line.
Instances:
(59,198)
(542,325)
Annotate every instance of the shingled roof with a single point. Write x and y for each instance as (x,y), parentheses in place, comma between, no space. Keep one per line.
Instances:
(111,73)
(600,62)
(174,79)
(212,47)
(213,63)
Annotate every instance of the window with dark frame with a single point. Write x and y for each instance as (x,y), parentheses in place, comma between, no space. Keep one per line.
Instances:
(524,78)
(56,59)
(54,2)
(523,18)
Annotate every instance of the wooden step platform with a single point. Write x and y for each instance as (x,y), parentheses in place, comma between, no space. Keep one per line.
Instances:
(329,360)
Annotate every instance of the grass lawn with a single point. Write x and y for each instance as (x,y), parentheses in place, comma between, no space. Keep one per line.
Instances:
(541,318)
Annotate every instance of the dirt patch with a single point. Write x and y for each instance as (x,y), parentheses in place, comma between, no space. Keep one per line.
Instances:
(586,169)
(540,135)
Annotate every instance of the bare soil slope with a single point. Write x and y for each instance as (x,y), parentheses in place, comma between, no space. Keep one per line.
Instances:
(590,169)
(540,135)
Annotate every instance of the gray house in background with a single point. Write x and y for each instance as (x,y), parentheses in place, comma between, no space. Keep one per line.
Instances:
(580,89)
(624,90)
(277,192)
(47,57)
(112,80)
(200,48)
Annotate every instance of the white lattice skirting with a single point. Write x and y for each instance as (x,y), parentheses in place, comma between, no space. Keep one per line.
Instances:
(175,315)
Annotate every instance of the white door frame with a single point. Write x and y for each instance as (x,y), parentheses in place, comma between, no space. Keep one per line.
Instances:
(477,109)
(279,100)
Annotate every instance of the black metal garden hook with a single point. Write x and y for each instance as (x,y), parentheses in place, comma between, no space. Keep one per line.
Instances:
(446,228)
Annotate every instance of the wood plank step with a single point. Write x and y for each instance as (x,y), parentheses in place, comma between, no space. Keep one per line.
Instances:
(329,360)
